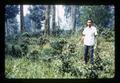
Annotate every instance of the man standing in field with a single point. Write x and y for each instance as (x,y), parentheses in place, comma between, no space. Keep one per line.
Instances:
(89,35)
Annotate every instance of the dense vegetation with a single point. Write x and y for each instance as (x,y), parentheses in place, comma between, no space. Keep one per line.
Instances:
(56,57)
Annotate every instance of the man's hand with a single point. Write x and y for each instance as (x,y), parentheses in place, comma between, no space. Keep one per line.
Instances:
(82,39)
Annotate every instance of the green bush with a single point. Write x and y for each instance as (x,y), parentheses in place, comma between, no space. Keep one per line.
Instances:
(72,48)
(59,44)
(8,48)
(16,51)
(67,63)
(76,72)
(25,34)
(92,74)
(107,33)
(24,48)
(66,66)
(42,41)
(56,45)
(24,38)
(33,55)
(47,54)
(33,41)
(13,39)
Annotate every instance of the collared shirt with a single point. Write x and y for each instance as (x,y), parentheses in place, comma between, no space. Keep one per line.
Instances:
(89,33)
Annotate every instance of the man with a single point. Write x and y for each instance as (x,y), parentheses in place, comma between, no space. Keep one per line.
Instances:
(89,34)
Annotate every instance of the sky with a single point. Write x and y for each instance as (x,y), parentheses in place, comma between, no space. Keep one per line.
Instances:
(25,10)
(60,14)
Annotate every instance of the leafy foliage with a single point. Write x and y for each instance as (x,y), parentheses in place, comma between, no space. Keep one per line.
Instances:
(24,48)
(8,48)
(16,51)
(33,55)
(58,45)
(37,14)
(107,33)
(101,15)
(61,64)
(42,41)
(11,11)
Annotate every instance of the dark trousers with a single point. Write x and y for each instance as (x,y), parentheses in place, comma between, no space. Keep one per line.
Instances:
(86,50)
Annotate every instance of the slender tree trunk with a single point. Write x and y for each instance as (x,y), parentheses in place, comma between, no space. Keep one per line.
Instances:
(58,26)
(21,18)
(53,20)
(47,20)
(6,28)
(50,19)
(74,18)
(35,27)
(31,28)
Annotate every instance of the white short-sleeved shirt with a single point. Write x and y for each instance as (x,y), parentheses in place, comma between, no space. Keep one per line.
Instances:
(89,33)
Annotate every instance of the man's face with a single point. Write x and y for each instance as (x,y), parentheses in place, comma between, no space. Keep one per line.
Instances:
(89,22)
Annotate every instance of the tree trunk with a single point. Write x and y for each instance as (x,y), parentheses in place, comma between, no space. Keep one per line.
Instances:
(6,28)
(74,18)
(47,20)
(53,20)
(58,26)
(21,19)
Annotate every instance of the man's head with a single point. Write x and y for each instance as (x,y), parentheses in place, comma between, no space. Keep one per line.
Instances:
(89,22)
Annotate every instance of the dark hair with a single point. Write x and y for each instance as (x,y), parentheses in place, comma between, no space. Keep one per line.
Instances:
(90,20)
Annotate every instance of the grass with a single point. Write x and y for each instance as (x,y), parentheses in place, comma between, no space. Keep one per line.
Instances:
(26,68)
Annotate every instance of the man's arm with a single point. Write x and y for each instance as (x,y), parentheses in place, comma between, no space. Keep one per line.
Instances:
(83,36)
(82,39)
(96,32)
(96,39)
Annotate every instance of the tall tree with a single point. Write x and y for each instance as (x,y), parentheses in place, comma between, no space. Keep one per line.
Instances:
(68,15)
(47,20)
(74,9)
(58,19)
(53,19)
(21,19)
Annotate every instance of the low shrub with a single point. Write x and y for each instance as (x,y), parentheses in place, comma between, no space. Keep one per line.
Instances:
(33,55)
(8,48)
(24,48)
(16,51)
(25,34)
(72,48)
(58,45)
(42,41)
